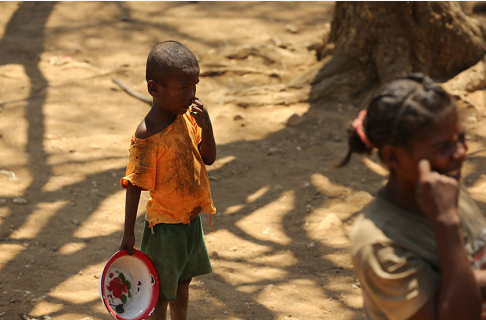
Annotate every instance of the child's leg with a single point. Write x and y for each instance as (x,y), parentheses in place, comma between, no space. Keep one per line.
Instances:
(178,307)
(160,312)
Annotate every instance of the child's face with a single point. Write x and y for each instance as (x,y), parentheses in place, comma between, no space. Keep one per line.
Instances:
(178,92)
(443,145)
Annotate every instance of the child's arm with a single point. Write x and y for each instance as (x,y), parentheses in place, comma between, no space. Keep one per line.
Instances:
(131,207)
(458,296)
(207,147)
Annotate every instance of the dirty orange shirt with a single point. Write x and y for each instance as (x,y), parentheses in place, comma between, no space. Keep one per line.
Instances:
(169,166)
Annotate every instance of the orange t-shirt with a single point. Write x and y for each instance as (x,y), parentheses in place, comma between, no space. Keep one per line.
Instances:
(169,166)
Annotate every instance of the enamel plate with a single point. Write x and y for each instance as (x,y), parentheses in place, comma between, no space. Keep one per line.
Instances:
(129,286)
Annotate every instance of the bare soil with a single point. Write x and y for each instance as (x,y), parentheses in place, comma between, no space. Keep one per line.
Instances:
(284,212)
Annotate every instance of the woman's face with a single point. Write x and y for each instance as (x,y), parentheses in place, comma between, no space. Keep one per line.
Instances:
(443,145)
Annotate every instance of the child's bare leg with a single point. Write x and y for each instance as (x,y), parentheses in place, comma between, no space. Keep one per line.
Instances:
(160,312)
(178,307)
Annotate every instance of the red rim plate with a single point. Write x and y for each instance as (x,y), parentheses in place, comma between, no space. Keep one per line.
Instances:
(140,258)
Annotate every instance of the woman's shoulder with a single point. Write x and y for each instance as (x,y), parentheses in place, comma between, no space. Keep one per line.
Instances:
(380,221)
(368,227)
(384,223)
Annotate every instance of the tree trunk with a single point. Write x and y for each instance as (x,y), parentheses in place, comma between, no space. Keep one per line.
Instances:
(373,42)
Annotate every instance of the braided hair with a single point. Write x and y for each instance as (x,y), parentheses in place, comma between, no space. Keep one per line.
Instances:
(397,113)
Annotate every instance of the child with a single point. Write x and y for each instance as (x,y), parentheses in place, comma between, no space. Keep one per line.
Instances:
(417,247)
(168,154)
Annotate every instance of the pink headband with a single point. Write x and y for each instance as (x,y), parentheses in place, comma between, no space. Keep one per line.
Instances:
(358,127)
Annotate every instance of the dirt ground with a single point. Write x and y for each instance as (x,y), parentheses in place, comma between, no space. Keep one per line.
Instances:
(284,212)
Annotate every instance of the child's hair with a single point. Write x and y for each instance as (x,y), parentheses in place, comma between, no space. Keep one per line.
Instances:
(167,57)
(398,112)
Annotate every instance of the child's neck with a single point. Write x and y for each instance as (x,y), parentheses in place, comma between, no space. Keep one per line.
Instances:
(156,121)
(160,116)
(401,195)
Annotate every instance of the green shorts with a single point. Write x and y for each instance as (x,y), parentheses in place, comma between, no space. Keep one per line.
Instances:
(178,252)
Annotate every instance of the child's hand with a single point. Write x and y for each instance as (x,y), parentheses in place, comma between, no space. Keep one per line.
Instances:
(127,242)
(436,194)
(200,114)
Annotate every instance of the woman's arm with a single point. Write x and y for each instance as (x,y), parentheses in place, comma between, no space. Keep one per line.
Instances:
(458,296)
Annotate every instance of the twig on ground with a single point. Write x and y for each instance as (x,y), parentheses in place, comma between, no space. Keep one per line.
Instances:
(475,152)
(132,92)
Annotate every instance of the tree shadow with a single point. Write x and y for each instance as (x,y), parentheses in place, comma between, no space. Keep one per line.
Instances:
(51,272)
(285,179)
(12,51)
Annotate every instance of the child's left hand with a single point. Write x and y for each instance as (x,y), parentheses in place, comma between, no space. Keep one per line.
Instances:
(200,114)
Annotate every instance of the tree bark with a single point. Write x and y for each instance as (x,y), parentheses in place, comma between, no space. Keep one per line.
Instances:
(373,42)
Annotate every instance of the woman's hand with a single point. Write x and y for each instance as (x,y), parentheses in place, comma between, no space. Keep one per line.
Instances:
(437,194)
